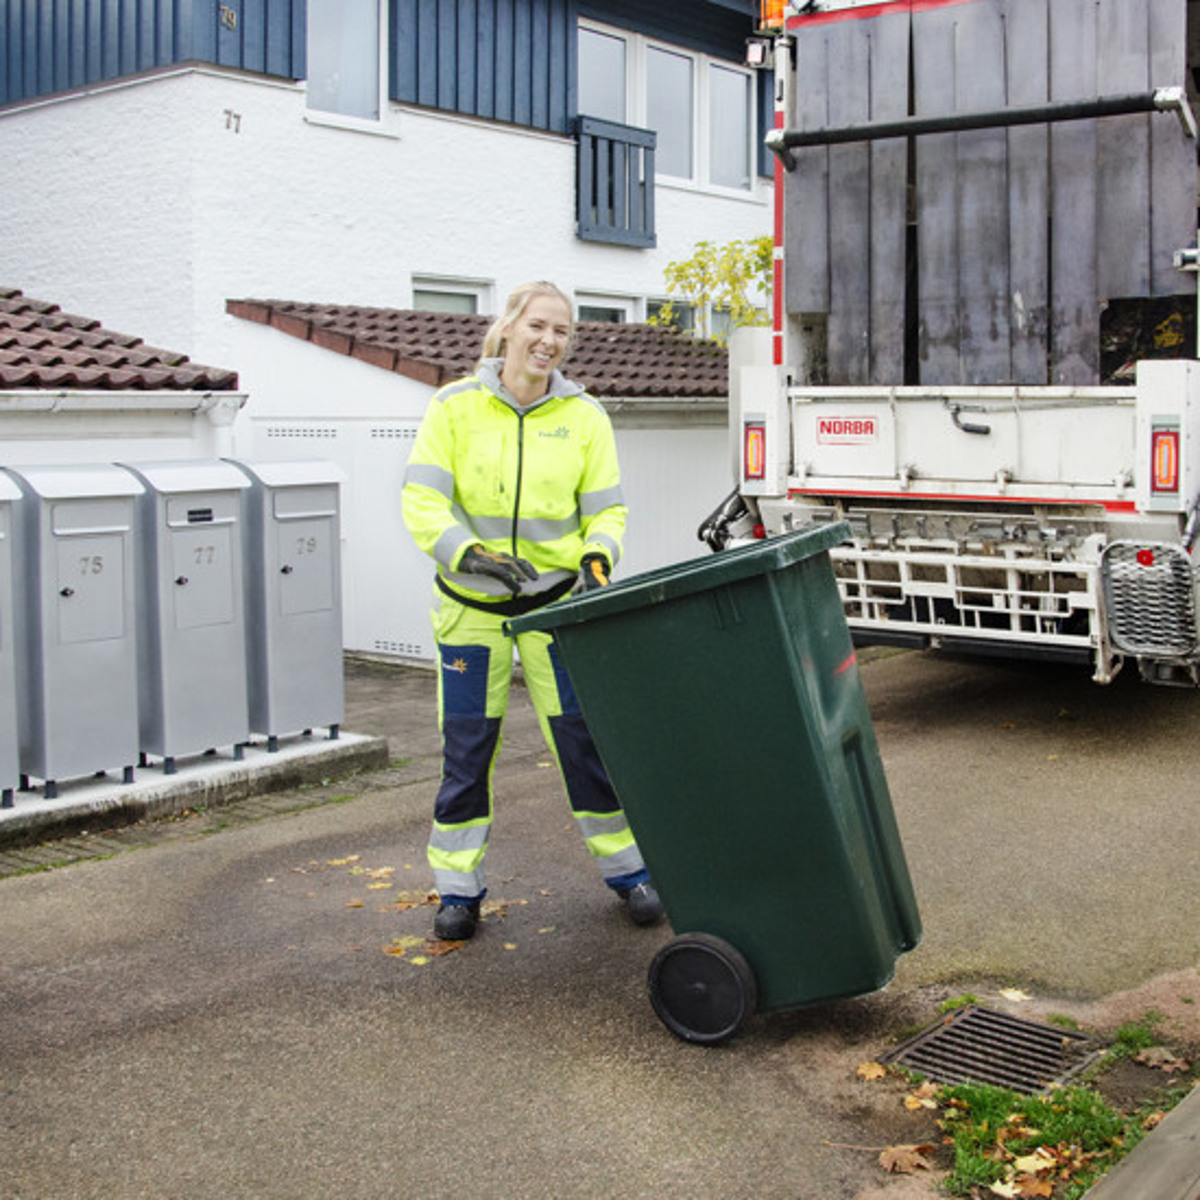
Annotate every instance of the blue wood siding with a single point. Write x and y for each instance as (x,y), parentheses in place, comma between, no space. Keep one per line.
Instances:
(508,60)
(51,46)
(714,27)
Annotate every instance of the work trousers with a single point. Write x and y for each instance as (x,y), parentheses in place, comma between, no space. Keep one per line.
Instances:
(475,659)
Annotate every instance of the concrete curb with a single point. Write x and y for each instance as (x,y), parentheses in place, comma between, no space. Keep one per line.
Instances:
(1164,1166)
(200,783)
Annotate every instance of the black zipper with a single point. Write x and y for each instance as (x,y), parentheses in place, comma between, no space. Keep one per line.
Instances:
(520,468)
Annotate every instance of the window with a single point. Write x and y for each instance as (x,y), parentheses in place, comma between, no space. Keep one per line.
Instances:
(729,118)
(602,76)
(683,314)
(670,104)
(614,309)
(433,294)
(701,109)
(344,62)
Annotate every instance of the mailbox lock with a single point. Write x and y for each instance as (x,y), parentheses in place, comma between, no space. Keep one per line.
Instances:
(286,570)
(67,591)
(182,580)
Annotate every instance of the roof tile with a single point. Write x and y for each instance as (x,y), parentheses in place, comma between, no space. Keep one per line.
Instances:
(43,347)
(627,361)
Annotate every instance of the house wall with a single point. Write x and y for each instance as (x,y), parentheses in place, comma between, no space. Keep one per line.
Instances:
(166,196)
(312,403)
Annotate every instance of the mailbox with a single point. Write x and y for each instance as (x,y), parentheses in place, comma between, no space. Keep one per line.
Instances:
(192,690)
(9,766)
(76,649)
(292,534)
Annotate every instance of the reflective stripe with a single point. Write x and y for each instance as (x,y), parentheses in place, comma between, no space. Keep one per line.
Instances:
(450,543)
(590,503)
(457,883)
(430,476)
(601,826)
(610,544)
(460,839)
(532,529)
(624,862)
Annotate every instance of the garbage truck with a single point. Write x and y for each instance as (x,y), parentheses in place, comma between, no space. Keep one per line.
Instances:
(982,354)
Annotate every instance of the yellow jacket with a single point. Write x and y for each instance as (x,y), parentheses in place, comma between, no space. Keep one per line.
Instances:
(541,483)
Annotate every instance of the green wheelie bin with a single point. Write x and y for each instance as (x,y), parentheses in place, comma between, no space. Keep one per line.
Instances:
(724,697)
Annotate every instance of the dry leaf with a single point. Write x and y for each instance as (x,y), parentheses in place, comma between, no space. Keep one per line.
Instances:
(924,1097)
(871,1070)
(1015,994)
(1161,1058)
(354,903)
(375,887)
(1031,1186)
(342,862)
(906,1160)
(1033,1164)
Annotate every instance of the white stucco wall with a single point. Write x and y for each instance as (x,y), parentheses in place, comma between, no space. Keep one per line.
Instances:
(307,402)
(149,203)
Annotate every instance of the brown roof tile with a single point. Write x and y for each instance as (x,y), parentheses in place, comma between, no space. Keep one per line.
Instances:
(632,361)
(43,347)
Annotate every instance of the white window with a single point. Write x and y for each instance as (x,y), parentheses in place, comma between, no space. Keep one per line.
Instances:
(597,307)
(701,108)
(602,86)
(345,75)
(431,293)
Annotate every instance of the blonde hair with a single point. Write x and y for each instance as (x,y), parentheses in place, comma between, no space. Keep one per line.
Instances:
(515,305)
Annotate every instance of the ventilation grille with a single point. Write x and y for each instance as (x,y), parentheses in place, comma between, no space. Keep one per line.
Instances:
(980,1045)
(1150,594)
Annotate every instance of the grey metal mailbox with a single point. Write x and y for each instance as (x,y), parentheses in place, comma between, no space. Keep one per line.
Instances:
(192,690)
(10,769)
(76,661)
(293,597)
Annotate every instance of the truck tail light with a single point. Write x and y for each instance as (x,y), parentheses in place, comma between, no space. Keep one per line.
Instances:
(1164,460)
(754,450)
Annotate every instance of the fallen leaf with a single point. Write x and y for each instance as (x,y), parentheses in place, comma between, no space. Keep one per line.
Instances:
(1154,1119)
(1037,1162)
(1004,1188)
(924,1097)
(375,887)
(381,873)
(436,948)
(419,961)
(546,929)
(1162,1059)
(354,903)
(1015,994)
(1031,1186)
(871,1070)
(906,1160)
(342,862)
(510,945)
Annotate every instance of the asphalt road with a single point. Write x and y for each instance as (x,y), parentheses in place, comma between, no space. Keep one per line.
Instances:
(217,1014)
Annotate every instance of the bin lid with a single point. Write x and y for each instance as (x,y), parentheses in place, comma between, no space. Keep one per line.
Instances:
(292,472)
(686,578)
(189,475)
(77,481)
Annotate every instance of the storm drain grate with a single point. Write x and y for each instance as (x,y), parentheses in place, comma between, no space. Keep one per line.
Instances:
(980,1045)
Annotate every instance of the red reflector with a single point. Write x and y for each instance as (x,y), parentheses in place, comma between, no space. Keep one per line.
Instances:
(1164,460)
(760,532)
(755,451)
(1145,558)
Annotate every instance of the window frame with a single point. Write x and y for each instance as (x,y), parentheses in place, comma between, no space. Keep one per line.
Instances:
(377,124)
(480,290)
(637,46)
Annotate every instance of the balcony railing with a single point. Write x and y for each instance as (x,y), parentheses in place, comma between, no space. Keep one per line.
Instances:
(615,183)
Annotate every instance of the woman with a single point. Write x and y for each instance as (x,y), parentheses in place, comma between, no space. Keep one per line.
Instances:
(513,488)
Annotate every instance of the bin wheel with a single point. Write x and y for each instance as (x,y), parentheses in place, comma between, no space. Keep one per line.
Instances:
(702,988)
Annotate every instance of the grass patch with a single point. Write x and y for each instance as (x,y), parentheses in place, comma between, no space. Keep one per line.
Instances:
(1067,1139)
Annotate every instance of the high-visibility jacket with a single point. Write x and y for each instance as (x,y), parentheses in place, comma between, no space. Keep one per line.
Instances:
(541,483)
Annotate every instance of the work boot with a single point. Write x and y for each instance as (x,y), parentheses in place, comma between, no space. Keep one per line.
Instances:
(643,904)
(456,922)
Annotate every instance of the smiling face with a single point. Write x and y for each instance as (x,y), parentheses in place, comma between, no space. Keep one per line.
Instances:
(535,344)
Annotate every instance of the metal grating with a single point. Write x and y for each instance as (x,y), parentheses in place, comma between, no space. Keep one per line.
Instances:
(980,1045)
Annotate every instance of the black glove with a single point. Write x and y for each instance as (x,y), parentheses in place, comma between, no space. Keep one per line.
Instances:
(593,572)
(512,572)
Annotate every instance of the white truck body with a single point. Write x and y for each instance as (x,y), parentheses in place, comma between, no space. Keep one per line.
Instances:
(1000,501)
